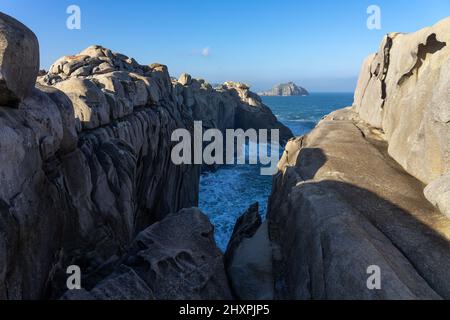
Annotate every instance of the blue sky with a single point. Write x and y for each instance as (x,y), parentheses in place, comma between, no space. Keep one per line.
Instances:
(318,44)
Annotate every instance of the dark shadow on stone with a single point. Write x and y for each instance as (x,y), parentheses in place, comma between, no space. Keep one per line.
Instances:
(310,160)
(430,47)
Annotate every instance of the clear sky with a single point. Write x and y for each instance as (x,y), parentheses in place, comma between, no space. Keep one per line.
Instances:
(319,44)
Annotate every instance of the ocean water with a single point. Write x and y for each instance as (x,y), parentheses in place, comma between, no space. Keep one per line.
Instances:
(228,192)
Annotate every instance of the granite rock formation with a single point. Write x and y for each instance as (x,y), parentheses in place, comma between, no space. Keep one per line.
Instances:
(286,90)
(349,196)
(85,160)
(175,259)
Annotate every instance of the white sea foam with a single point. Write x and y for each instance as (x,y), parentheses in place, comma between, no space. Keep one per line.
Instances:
(227,193)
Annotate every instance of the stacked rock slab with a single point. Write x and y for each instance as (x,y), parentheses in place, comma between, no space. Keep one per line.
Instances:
(85,159)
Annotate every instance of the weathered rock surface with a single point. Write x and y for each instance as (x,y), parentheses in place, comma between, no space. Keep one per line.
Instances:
(438,193)
(285,90)
(404,90)
(339,205)
(85,162)
(350,195)
(19,61)
(175,259)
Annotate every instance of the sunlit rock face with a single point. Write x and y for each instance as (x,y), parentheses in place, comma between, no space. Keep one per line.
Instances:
(352,194)
(404,90)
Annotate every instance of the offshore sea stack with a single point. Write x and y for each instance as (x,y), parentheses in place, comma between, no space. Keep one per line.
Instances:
(286,90)
(369,188)
(87,179)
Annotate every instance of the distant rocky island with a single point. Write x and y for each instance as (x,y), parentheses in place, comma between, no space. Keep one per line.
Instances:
(285,90)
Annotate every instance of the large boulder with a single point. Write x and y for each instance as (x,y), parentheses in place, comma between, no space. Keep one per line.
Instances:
(19,61)
(245,227)
(175,259)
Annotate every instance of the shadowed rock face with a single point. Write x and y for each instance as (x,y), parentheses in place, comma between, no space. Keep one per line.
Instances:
(175,259)
(85,159)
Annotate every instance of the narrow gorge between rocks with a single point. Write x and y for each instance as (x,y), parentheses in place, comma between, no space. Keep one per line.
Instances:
(88,180)
(226,193)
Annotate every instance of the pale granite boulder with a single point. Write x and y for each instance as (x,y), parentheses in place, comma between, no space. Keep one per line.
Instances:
(250,268)
(404,91)
(89,102)
(340,206)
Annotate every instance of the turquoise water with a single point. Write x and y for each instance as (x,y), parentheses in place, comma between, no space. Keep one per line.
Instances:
(228,192)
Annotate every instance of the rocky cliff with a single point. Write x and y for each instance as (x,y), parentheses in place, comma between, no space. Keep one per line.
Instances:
(285,90)
(349,196)
(85,167)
